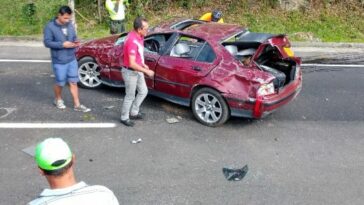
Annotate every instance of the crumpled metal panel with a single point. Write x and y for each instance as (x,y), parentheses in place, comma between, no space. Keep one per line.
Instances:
(233,78)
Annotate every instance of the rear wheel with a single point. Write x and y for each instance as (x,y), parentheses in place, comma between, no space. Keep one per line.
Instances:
(209,107)
(89,73)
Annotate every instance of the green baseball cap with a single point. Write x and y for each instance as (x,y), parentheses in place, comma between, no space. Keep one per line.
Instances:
(52,154)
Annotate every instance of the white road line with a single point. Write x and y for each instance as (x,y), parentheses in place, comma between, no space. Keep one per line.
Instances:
(55,125)
(333,65)
(24,61)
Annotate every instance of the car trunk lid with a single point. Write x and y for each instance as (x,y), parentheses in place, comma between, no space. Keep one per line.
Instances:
(274,55)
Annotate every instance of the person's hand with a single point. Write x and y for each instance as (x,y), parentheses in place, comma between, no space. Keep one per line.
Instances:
(146,66)
(68,44)
(77,43)
(149,73)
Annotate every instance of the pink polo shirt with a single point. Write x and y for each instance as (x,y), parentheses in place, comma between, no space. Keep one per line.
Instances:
(134,45)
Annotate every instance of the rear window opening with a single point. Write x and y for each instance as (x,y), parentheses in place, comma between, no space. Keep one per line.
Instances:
(242,51)
(239,46)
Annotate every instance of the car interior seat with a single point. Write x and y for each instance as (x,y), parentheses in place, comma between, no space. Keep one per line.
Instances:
(232,49)
(246,52)
(180,50)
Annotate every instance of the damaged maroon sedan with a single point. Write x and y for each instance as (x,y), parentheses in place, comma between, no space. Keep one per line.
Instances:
(219,70)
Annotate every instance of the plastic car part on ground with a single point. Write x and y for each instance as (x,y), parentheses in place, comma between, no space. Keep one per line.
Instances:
(235,174)
(172,120)
(136,141)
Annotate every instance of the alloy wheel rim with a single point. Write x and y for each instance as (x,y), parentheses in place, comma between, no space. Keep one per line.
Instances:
(208,108)
(89,74)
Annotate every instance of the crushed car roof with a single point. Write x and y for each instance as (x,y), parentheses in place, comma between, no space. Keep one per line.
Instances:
(214,31)
(207,30)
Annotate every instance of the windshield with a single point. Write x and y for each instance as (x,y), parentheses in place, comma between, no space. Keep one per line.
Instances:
(121,39)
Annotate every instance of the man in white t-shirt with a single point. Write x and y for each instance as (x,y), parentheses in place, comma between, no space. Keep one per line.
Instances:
(55,161)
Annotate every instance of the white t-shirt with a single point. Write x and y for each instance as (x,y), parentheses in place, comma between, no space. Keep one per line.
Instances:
(78,194)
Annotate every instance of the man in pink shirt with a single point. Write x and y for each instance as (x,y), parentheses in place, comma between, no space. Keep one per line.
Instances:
(133,72)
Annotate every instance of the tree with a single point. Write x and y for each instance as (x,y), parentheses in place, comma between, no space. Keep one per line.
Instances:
(71,3)
(99,10)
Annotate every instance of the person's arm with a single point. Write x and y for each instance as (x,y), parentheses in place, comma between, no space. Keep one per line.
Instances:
(131,52)
(137,67)
(48,39)
(50,43)
(110,7)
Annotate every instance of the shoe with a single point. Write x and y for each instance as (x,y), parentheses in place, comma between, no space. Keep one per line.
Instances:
(59,104)
(127,122)
(139,116)
(82,108)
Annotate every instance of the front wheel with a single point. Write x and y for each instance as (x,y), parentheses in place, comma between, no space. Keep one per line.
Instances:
(209,107)
(89,73)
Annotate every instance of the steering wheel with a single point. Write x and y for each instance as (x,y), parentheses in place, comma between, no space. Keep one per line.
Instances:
(152,45)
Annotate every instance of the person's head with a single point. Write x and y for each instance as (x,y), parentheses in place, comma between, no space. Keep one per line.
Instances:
(141,26)
(246,55)
(54,157)
(246,60)
(64,15)
(216,15)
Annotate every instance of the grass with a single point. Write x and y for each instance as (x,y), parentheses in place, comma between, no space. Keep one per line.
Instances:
(300,27)
(336,23)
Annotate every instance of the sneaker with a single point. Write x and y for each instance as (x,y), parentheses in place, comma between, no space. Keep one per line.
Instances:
(127,122)
(82,108)
(139,116)
(59,104)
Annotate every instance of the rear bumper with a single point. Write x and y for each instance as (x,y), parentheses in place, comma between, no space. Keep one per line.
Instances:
(263,106)
(270,105)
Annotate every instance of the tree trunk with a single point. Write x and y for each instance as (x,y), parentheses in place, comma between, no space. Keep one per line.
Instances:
(99,10)
(71,3)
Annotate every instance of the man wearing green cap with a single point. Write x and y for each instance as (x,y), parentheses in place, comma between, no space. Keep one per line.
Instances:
(55,161)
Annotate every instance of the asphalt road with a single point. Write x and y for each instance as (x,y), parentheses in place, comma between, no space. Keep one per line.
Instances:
(308,152)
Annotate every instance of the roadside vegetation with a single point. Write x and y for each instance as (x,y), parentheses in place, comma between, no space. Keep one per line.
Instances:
(317,20)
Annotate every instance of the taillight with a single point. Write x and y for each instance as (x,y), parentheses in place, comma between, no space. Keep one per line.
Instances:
(287,47)
(288,51)
(266,89)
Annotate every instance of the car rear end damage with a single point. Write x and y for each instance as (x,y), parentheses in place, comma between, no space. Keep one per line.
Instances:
(275,74)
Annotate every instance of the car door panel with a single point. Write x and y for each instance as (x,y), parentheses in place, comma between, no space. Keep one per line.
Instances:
(150,59)
(176,76)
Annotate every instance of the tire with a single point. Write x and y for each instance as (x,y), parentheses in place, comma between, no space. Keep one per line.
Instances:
(89,73)
(209,107)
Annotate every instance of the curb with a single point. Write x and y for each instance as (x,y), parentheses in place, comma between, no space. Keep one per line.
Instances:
(328,45)
(294,44)
(21,38)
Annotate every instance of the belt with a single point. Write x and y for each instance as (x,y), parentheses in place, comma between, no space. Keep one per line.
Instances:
(128,68)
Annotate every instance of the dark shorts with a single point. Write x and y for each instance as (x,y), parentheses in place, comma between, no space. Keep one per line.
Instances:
(66,73)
